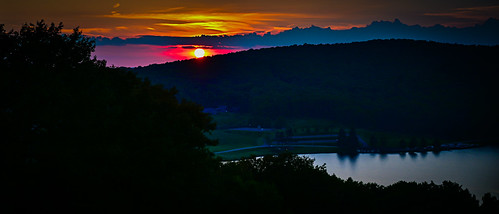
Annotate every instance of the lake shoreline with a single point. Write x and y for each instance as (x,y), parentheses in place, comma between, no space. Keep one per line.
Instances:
(443,147)
(298,149)
(474,168)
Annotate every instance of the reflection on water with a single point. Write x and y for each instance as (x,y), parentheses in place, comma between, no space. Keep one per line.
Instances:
(383,157)
(423,154)
(352,159)
(436,153)
(413,155)
(475,169)
(402,155)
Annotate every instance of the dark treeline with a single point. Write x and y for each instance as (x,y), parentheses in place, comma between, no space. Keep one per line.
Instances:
(414,87)
(78,137)
(299,187)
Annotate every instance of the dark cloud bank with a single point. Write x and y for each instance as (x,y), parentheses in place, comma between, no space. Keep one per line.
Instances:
(486,33)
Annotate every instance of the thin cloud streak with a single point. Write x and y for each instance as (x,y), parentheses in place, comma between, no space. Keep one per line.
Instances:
(195,23)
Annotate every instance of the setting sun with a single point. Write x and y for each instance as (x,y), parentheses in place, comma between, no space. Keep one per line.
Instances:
(199,53)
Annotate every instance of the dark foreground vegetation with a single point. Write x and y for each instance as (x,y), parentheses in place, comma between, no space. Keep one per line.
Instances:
(420,88)
(78,137)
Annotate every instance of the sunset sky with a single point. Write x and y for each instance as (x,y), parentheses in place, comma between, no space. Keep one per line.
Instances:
(127,18)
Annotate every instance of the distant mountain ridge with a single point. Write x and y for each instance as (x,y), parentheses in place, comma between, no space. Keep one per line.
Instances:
(486,33)
(395,85)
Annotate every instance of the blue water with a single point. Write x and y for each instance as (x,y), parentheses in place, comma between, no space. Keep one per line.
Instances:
(476,169)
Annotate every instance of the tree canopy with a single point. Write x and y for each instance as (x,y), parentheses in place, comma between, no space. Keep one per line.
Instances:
(67,118)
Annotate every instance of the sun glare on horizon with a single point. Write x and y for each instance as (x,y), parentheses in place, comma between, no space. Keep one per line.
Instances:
(199,53)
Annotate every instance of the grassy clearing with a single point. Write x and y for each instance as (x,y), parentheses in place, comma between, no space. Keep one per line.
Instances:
(270,151)
(229,139)
(247,153)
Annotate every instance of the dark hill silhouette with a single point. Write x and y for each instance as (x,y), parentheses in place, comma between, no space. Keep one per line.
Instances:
(396,85)
(486,33)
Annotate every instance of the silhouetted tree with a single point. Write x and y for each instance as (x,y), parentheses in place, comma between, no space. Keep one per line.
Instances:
(373,141)
(352,141)
(403,143)
(342,137)
(413,143)
(353,138)
(383,142)
(490,204)
(348,144)
(92,137)
(437,144)
(423,143)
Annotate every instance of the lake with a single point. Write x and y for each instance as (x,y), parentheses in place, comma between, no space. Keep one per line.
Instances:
(476,169)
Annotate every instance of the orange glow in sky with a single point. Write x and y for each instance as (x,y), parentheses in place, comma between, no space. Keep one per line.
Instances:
(130,18)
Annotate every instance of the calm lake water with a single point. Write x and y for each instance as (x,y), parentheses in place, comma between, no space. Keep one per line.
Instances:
(476,169)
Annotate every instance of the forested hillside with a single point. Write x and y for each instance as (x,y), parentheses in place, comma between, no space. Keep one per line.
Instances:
(393,85)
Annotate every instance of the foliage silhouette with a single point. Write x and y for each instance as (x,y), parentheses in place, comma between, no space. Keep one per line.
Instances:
(308,188)
(84,132)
